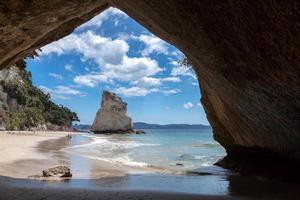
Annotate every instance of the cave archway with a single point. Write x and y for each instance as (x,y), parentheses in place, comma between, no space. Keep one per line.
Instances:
(246,56)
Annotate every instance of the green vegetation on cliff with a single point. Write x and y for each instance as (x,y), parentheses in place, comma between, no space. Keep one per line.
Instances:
(34,107)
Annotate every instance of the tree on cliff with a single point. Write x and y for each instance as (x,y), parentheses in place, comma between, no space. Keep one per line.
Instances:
(35,107)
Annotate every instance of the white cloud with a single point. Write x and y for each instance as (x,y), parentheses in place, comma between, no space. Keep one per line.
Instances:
(171,91)
(142,91)
(132,69)
(147,81)
(179,70)
(151,81)
(101,50)
(57,96)
(97,21)
(195,83)
(188,105)
(123,36)
(153,44)
(116,22)
(110,55)
(69,67)
(174,63)
(133,91)
(199,104)
(91,80)
(56,76)
(65,90)
(177,53)
(61,92)
(45,89)
(183,71)
(171,79)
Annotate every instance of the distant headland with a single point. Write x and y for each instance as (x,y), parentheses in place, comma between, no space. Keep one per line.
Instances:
(143,125)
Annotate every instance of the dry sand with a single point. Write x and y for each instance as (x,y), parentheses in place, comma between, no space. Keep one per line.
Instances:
(17,145)
(25,154)
(19,156)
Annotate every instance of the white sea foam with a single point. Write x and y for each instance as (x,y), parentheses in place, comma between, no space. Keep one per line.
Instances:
(102,148)
(124,160)
(142,152)
(200,157)
(104,143)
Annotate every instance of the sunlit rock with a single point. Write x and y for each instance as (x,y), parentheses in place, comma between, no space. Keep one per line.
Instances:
(246,56)
(58,171)
(112,116)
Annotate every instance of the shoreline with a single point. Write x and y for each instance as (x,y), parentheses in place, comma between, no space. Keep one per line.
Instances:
(96,179)
(19,155)
(34,151)
(34,193)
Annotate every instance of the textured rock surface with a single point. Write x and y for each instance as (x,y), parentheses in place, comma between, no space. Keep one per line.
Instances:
(246,55)
(17,110)
(140,132)
(112,116)
(6,102)
(58,171)
(28,25)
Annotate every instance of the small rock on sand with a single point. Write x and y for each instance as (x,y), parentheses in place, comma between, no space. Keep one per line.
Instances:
(140,132)
(58,171)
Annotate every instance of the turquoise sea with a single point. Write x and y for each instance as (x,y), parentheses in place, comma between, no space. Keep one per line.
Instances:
(187,156)
(177,150)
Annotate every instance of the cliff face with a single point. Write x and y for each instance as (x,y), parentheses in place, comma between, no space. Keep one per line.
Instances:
(246,55)
(112,116)
(8,103)
(25,107)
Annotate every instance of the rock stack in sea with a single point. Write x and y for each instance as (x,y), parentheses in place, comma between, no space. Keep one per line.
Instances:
(112,117)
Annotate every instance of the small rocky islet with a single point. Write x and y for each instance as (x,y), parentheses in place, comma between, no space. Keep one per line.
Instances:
(112,117)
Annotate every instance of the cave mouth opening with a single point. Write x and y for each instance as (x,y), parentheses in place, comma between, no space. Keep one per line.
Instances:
(221,48)
(113,52)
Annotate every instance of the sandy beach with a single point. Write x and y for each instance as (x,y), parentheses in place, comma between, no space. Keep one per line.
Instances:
(19,155)
(23,156)
(36,151)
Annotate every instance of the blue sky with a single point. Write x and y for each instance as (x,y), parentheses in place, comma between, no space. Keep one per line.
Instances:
(114,52)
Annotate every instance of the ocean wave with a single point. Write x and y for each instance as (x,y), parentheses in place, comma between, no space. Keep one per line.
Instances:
(105,144)
(124,160)
(199,157)
(108,150)
(206,144)
(128,151)
(192,157)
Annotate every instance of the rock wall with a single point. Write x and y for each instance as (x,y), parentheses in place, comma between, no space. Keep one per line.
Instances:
(8,103)
(246,55)
(112,116)
(25,107)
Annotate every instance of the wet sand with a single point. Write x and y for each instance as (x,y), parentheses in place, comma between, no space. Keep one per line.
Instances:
(24,155)
(19,156)
(82,194)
